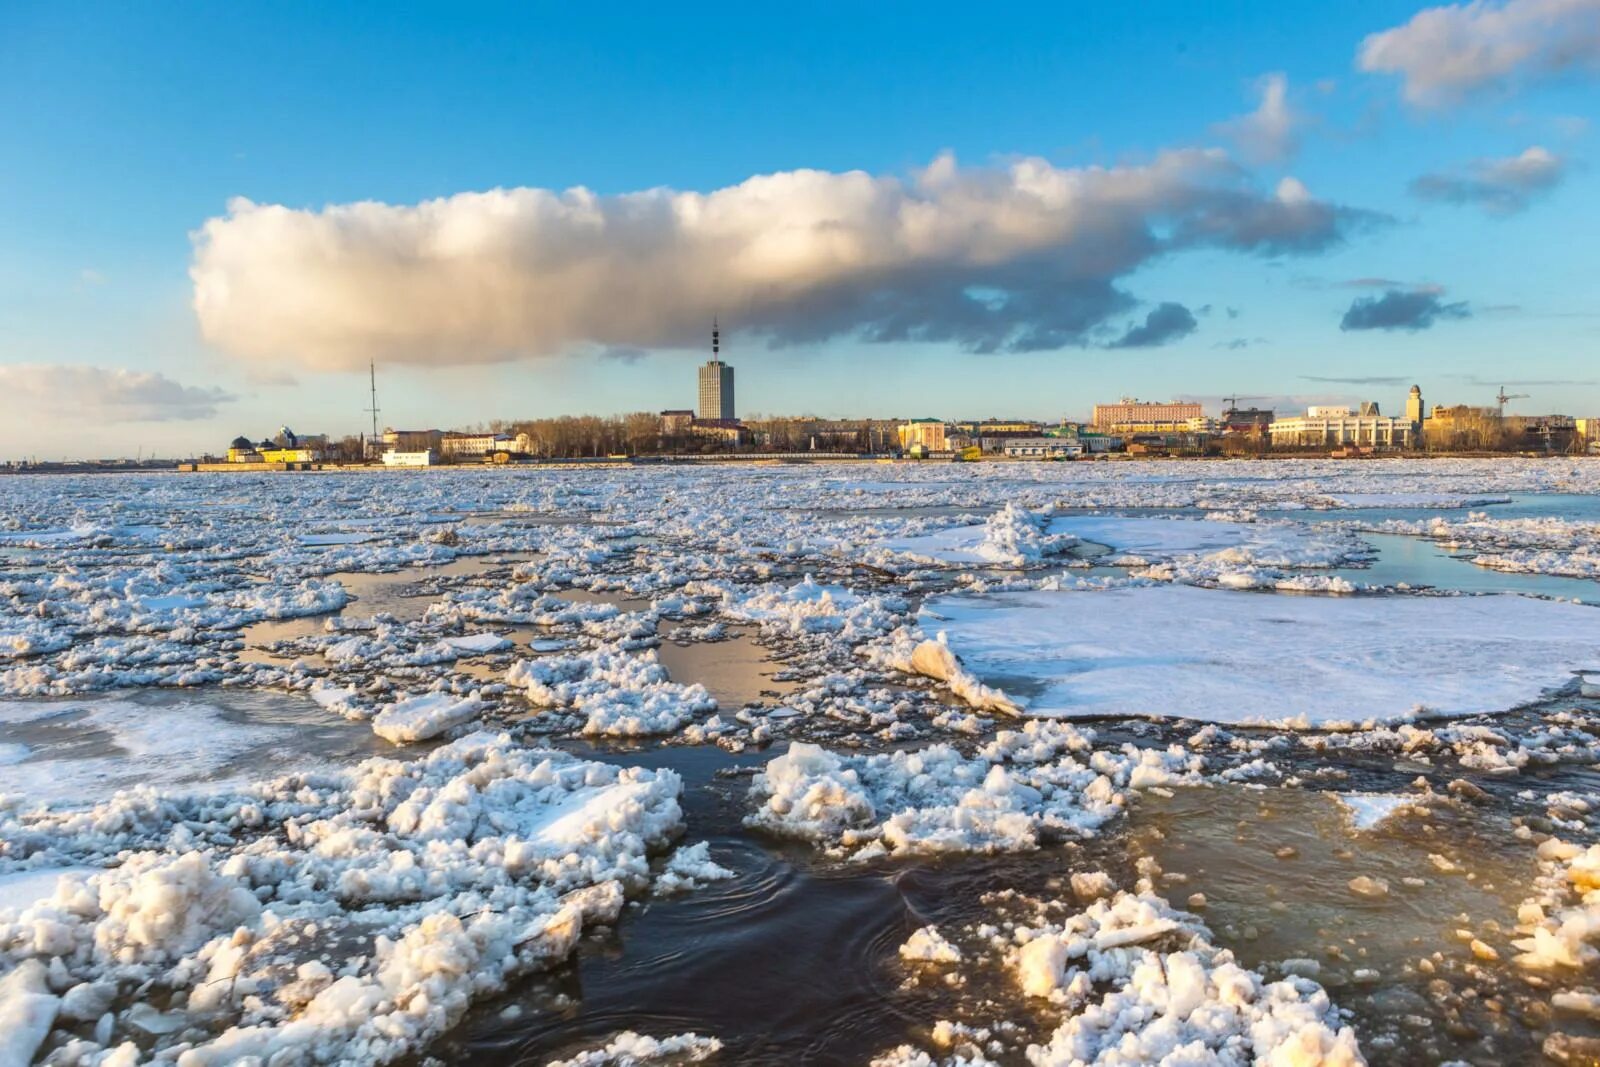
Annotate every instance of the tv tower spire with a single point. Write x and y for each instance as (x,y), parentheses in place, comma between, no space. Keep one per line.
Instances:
(716,338)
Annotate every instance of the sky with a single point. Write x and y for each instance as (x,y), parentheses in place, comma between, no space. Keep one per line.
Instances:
(213,218)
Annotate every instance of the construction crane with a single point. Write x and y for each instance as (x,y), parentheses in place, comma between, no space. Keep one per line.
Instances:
(1504,396)
(1233,402)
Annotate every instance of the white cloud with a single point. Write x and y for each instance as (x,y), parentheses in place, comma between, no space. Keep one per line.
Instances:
(1269,134)
(1499,186)
(1025,256)
(1447,53)
(102,394)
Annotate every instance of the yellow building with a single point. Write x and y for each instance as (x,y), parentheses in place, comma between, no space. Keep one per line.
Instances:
(924,434)
(288,455)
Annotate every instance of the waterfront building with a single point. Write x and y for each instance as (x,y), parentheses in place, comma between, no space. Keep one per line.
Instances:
(459,446)
(1332,426)
(716,384)
(1043,447)
(1129,415)
(923,435)
(411,440)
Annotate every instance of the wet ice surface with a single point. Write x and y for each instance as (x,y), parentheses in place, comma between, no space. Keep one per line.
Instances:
(511,765)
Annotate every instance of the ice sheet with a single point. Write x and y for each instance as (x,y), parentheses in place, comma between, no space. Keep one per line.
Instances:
(1238,657)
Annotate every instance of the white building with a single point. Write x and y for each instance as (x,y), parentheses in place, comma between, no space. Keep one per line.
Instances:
(392,458)
(474,445)
(1043,448)
(1324,426)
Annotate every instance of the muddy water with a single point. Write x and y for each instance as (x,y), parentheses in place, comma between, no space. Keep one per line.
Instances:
(1276,869)
(405,594)
(736,670)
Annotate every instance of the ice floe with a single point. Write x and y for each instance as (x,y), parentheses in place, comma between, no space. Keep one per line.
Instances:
(1238,657)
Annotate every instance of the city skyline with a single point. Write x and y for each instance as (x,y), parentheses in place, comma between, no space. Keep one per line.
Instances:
(958,217)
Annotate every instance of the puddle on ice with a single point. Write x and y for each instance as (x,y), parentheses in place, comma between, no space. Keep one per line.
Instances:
(1276,866)
(736,670)
(82,751)
(1415,561)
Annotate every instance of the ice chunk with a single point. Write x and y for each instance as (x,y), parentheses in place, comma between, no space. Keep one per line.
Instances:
(422,717)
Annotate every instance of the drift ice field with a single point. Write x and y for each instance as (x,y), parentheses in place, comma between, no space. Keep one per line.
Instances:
(1189,763)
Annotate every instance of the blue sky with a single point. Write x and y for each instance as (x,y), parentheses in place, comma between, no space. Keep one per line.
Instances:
(130,125)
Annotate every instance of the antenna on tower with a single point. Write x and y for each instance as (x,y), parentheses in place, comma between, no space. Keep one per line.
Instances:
(372,377)
(716,337)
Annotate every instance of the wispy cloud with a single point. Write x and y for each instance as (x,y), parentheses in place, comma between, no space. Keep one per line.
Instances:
(1445,54)
(1487,383)
(1400,309)
(1373,380)
(1020,257)
(101,394)
(1498,186)
(1270,133)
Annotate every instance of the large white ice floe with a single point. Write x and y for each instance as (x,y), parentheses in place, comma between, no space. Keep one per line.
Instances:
(1238,657)
(81,751)
(344,917)
(1045,780)
(1141,983)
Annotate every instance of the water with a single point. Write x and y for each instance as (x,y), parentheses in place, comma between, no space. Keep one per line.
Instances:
(405,594)
(1417,562)
(737,671)
(1275,867)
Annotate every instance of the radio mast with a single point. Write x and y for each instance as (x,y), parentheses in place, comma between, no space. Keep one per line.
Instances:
(372,377)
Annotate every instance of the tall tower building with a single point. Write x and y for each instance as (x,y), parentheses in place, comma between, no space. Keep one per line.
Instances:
(716,382)
(1414,407)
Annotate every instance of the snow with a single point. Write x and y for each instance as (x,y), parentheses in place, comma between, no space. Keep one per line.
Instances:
(629,1048)
(419,718)
(1012,536)
(354,914)
(21,889)
(1236,657)
(621,694)
(928,945)
(450,874)
(1367,810)
(1044,781)
(138,744)
(1142,983)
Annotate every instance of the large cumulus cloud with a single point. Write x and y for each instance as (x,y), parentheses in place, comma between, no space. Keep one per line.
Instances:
(1447,53)
(103,394)
(1019,257)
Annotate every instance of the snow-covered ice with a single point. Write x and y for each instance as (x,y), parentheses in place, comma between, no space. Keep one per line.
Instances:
(1238,657)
